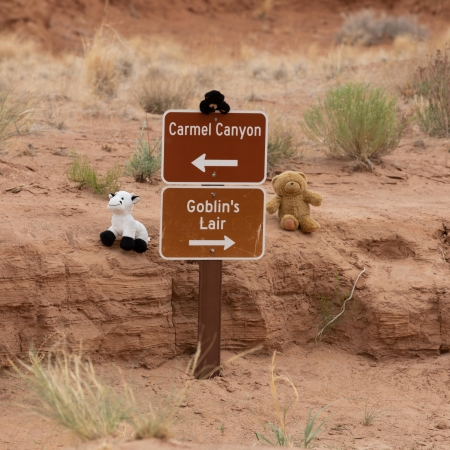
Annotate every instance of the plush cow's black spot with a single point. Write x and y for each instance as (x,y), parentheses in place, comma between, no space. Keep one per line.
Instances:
(107,237)
(140,245)
(127,243)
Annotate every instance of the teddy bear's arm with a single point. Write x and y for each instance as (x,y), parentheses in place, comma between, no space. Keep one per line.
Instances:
(273,204)
(312,197)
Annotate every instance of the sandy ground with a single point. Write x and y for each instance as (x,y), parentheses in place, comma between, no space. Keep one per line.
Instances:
(393,221)
(409,397)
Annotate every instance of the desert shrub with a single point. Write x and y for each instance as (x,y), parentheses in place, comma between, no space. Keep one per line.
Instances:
(432,85)
(282,140)
(146,159)
(364,28)
(71,394)
(81,172)
(159,91)
(106,63)
(15,112)
(355,121)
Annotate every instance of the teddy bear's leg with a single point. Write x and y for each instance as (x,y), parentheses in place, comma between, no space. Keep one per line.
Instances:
(308,224)
(289,222)
(107,237)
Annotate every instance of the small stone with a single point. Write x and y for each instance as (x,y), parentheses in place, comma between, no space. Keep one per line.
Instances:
(442,425)
(419,143)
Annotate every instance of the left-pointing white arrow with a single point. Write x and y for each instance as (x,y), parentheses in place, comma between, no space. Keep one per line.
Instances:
(226,242)
(201,162)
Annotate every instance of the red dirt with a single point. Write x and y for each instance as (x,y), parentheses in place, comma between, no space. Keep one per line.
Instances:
(389,352)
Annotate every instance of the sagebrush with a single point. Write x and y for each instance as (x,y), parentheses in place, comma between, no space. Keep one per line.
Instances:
(81,172)
(146,159)
(432,85)
(355,121)
(366,28)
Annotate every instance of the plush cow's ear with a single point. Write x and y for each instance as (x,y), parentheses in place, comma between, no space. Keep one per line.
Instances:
(111,196)
(135,198)
(302,175)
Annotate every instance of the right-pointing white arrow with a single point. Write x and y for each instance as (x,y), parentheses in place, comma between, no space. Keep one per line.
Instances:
(226,242)
(201,162)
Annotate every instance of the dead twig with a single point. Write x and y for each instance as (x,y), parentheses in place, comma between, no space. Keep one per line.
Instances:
(319,334)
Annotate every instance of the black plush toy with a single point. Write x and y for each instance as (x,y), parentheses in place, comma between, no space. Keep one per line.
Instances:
(214,100)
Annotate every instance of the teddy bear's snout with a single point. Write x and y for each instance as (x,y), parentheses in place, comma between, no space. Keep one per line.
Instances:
(291,187)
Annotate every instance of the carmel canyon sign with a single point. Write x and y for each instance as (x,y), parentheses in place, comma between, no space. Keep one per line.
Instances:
(224,149)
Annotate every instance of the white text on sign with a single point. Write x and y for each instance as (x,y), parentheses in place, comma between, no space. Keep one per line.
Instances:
(216,206)
(219,130)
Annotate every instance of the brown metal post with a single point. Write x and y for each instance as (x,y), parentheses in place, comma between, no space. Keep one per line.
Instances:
(209,318)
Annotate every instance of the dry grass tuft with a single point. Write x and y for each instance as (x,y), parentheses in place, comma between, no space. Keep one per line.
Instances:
(12,47)
(432,85)
(71,394)
(365,28)
(107,62)
(283,141)
(159,91)
(15,112)
(279,435)
(159,421)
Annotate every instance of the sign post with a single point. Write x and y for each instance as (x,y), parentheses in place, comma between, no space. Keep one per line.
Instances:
(209,317)
(221,217)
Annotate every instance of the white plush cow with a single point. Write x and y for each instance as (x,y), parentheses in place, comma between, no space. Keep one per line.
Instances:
(134,234)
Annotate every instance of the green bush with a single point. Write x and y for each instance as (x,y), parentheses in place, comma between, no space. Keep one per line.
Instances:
(355,121)
(432,84)
(146,159)
(82,173)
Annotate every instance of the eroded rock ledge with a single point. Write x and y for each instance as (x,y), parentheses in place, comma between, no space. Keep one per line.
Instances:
(143,309)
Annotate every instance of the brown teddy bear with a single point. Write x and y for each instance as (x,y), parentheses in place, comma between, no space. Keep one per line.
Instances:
(292,202)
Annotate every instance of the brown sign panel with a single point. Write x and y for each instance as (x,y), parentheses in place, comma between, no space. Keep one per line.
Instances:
(214,149)
(212,222)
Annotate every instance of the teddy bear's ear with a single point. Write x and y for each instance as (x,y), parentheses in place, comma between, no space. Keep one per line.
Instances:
(302,175)
(274,178)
